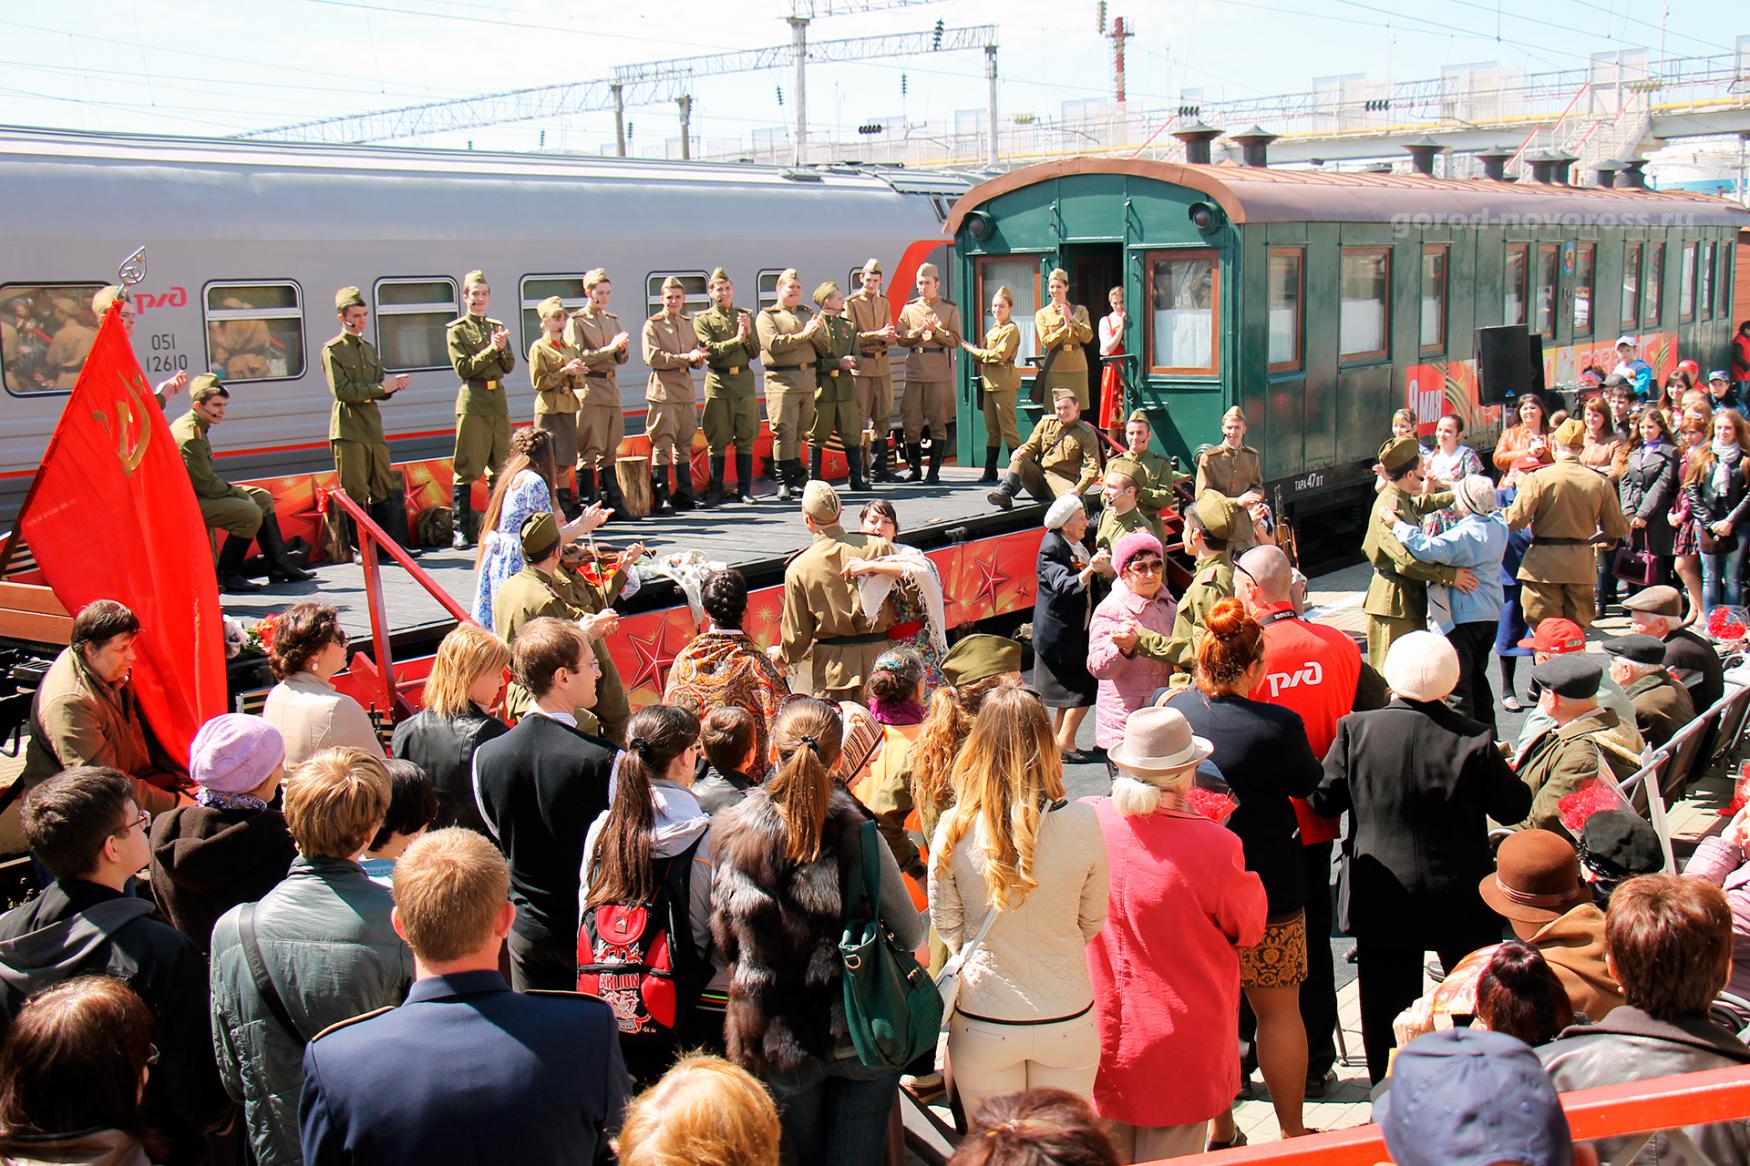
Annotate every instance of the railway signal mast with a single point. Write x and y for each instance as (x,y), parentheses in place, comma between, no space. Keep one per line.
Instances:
(1119,34)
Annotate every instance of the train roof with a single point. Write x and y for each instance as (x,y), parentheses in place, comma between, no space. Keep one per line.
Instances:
(1254,194)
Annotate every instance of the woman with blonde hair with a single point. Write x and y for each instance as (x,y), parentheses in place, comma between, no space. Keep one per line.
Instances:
(1018,879)
(464,686)
(782,855)
(704,1110)
(975,667)
(1716,484)
(528,484)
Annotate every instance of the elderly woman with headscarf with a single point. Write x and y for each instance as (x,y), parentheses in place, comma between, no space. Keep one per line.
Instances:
(1138,602)
(1062,607)
(1469,619)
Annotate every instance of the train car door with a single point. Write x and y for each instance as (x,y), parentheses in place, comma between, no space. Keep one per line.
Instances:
(1094,270)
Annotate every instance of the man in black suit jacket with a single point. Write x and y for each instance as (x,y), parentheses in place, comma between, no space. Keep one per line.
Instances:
(466,1070)
(539,787)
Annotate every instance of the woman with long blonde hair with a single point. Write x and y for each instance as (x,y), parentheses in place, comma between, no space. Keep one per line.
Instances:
(1716,483)
(1014,862)
(441,738)
(974,668)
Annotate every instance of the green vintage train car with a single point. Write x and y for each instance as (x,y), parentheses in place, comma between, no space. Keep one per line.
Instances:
(1321,302)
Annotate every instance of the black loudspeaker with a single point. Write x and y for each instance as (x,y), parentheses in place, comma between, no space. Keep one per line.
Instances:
(1503,357)
(1534,350)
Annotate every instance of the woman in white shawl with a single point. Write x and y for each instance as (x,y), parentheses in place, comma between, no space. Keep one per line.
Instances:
(919,612)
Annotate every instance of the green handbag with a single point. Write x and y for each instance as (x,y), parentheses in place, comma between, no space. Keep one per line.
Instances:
(892,1007)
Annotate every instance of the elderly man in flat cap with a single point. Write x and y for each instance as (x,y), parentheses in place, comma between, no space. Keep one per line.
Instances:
(1662,706)
(1658,612)
(1572,510)
(355,427)
(823,619)
(732,416)
(786,332)
(930,327)
(480,352)
(672,352)
(835,397)
(1584,746)
(872,315)
(1397,599)
(596,334)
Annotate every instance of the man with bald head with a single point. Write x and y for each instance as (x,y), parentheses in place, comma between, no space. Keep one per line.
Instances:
(1317,672)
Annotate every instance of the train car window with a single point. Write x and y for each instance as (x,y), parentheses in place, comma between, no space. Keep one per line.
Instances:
(255,331)
(1705,275)
(1019,275)
(698,299)
(767,290)
(411,317)
(1287,292)
(1364,288)
(1631,285)
(1546,289)
(1514,284)
(1585,268)
(537,288)
(46,330)
(1184,312)
(1434,298)
(1653,307)
(1686,285)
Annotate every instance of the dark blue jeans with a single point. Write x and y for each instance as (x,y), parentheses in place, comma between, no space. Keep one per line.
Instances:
(835,1112)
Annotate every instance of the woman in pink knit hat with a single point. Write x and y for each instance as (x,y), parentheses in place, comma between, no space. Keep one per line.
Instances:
(1139,606)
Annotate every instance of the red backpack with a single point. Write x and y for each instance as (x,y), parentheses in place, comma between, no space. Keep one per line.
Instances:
(639,959)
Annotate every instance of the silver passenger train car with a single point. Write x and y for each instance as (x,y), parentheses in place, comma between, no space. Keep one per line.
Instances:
(247,242)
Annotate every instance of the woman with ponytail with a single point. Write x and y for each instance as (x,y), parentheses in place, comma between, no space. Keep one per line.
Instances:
(1263,752)
(646,848)
(782,855)
(1013,851)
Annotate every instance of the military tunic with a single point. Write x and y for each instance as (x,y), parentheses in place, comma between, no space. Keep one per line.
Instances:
(1568,507)
(929,369)
(1397,598)
(788,358)
(1157,493)
(1213,582)
(999,381)
(601,423)
(835,397)
(732,417)
(238,510)
(555,396)
(823,618)
(1233,472)
(873,377)
(1058,459)
(532,593)
(1114,526)
(355,427)
(673,417)
(482,412)
(1069,368)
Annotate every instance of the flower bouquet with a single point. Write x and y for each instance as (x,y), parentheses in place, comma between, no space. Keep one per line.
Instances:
(1592,797)
(1212,796)
(258,636)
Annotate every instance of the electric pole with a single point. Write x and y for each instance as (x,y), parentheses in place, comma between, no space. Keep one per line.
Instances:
(1118,36)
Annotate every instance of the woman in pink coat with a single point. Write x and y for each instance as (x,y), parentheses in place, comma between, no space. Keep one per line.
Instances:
(1165,970)
(1138,604)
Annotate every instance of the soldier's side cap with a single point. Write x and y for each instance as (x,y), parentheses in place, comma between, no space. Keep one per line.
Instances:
(1139,415)
(673,283)
(1656,601)
(203,383)
(820,501)
(1572,674)
(594,276)
(1059,274)
(346,297)
(551,306)
(1637,649)
(788,274)
(1399,453)
(1063,393)
(1218,513)
(975,658)
(1126,465)
(1571,433)
(829,288)
(539,535)
(871,267)
(718,275)
(105,297)
(928,271)
(472,278)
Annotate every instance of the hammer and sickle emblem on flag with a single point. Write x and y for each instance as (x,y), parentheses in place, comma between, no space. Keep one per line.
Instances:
(131,427)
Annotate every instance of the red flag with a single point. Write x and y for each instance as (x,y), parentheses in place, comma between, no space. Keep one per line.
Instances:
(111,515)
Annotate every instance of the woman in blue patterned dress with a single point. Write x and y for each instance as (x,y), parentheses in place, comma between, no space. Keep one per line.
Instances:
(1452,461)
(524,487)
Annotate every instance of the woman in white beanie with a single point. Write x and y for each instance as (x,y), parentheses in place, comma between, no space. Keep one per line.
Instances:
(1419,783)
(1061,609)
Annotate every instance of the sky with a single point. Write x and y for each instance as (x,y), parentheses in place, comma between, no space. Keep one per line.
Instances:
(211,68)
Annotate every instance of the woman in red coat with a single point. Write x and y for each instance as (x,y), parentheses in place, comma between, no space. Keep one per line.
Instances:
(1165,968)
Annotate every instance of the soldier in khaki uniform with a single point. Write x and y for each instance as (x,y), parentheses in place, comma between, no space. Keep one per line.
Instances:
(1233,467)
(672,352)
(786,332)
(930,327)
(1572,509)
(556,372)
(245,513)
(1209,528)
(1061,456)
(1155,493)
(835,397)
(872,314)
(481,355)
(998,380)
(602,345)
(732,416)
(1397,598)
(823,617)
(1120,492)
(1064,333)
(355,427)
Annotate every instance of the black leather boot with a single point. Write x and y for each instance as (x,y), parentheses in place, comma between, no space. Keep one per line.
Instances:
(788,472)
(462,515)
(1003,496)
(854,459)
(568,503)
(914,458)
(230,568)
(586,493)
(273,548)
(393,520)
(714,491)
(744,477)
(659,490)
(681,500)
(938,454)
(878,461)
(990,464)
(815,458)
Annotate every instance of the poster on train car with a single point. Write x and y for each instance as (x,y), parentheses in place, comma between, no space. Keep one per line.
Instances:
(111,515)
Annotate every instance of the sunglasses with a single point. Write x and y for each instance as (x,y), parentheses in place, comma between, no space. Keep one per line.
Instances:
(1146,566)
